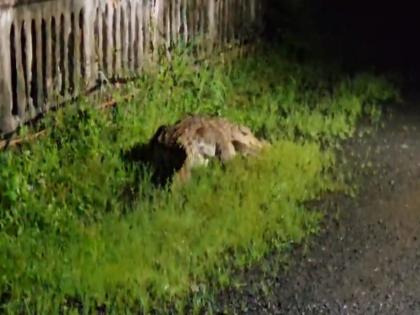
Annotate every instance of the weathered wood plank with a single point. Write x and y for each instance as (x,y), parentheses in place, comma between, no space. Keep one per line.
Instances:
(60,48)
(21,84)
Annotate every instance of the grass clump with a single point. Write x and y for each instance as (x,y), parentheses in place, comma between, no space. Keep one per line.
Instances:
(81,229)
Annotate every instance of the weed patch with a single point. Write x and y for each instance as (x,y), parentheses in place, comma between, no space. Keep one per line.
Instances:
(82,229)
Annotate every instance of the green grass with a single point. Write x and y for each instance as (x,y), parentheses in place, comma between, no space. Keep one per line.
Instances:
(79,225)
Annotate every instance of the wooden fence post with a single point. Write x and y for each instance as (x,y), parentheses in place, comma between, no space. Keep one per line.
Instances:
(7,122)
(51,51)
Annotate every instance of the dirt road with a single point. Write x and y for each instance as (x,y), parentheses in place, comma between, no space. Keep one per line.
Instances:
(367,260)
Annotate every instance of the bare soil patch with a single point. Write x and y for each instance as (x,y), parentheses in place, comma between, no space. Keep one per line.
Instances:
(367,259)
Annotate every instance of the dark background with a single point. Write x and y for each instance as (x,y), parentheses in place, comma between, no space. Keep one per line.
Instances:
(367,35)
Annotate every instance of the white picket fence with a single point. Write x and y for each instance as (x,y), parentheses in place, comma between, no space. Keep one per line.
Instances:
(53,50)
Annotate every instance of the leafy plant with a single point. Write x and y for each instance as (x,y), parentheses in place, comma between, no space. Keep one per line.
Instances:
(82,229)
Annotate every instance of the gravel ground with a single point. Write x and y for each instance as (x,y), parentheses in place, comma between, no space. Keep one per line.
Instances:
(367,259)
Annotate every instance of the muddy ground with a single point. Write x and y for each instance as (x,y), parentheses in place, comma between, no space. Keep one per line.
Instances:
(367,259)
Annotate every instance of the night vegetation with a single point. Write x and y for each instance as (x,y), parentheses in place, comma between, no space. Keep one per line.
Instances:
(81,228)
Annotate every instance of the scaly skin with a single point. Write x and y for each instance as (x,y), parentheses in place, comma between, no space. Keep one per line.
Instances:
(197,139)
